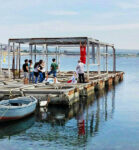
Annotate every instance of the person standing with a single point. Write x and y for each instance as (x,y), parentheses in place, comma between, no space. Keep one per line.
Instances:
(36,72)
(54,67)
(31,73)
(40,69)
(26,70)
(43,70)
(80,71)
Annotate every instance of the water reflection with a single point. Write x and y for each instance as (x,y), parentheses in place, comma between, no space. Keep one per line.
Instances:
(15,127)
(90,113)
(65,126)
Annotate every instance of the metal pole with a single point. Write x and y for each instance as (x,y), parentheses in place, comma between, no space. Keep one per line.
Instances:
(106,58)
(58,59)
(88,60)
(1,59)
(30,49)
(56,54)
(98,58)
(35,53)
(114,60)
(9,72)
(19,60)
(43,53)
(13,60)
(46,58)
(93,53)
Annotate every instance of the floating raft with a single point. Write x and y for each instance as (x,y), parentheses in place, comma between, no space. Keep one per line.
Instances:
(62,93)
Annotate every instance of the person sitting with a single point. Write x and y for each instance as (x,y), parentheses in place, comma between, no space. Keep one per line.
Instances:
(54,67)
(80,71)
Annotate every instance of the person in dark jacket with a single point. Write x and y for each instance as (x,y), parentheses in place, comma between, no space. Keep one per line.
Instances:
(26,69)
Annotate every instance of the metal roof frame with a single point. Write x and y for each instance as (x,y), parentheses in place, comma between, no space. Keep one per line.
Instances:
(59,41)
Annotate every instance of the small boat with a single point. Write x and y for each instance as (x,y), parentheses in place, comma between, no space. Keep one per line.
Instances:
(17,108)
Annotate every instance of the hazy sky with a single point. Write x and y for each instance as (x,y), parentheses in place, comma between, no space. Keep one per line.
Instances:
(113,21)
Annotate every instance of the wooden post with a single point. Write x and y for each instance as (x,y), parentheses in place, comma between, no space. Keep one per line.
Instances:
(88,59)
(13,67)
(114,60)
(9,71)
(19,60)
(93,53)
(98,58)
(106,58)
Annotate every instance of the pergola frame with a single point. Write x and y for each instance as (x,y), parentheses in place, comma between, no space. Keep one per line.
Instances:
(94,44)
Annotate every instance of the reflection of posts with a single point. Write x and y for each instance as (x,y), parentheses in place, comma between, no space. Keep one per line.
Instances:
(81,123)
(113,99)
(81,127)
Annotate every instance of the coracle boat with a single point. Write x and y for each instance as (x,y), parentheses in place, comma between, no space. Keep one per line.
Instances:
(17,108)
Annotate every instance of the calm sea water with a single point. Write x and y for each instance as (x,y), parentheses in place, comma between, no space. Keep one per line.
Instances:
(107,121)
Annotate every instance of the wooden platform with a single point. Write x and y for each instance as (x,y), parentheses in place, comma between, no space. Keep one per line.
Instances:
(62,93)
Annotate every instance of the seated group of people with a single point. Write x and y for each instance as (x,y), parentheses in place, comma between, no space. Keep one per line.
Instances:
(38,71)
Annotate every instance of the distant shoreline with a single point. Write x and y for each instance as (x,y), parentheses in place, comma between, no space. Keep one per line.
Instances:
(78,54)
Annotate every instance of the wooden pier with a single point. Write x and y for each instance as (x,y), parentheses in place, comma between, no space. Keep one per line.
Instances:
(62,93)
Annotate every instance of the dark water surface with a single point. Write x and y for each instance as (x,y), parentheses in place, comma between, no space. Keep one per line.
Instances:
(108,120)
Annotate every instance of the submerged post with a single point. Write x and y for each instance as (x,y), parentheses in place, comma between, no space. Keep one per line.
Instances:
(88,59)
